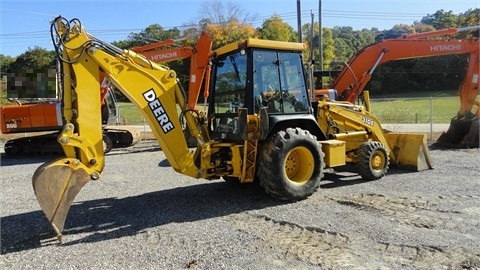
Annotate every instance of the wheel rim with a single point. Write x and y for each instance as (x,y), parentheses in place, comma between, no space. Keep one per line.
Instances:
(378,161)
(299,165)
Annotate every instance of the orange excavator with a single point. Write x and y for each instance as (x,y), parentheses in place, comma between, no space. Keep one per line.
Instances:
(199,55)
(40,116)
(353,78)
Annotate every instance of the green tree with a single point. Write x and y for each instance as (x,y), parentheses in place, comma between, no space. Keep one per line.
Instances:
(342,36)
(5,62)
(37,58)
(328,48)
(153,33)
(441,19)
(348,42)
(469,18)
(274,28)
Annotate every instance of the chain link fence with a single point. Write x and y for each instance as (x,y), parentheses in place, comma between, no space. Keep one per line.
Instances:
(429,115)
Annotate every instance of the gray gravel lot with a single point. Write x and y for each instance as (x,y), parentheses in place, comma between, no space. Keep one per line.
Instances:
(143,215)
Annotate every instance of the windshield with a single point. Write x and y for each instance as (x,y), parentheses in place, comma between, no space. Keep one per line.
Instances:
(279,83)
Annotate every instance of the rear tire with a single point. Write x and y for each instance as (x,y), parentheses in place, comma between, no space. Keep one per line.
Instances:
(372,160)
(290,165)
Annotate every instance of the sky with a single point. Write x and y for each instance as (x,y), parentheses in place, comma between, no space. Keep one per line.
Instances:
(25,24)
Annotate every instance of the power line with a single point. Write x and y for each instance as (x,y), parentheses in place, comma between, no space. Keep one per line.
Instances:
(306,14)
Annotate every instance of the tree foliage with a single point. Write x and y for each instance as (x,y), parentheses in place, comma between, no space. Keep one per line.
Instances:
(228,33)
(5,62)
(441,19)
(328,48)
(274,28)
(152,33)
(36,58)
(227,22)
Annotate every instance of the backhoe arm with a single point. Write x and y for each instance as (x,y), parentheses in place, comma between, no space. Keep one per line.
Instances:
(151,87)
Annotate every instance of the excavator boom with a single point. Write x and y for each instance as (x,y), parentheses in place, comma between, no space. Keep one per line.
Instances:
(153,88)
(351,81)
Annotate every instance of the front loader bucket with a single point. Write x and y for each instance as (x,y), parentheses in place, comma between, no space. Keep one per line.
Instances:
(462,133)
(56,184)
(410,151)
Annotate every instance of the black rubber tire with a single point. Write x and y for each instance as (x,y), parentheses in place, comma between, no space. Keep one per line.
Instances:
(107,143)
(372,160)
(290,165)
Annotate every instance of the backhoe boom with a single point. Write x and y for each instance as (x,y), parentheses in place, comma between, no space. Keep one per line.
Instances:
(151,87)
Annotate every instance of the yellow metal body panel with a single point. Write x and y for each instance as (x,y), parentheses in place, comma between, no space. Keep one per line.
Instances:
(334,151)
(261,43)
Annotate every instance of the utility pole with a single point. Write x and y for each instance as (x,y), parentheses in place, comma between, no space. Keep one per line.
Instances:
(299,21)
(312,56)
(320,42)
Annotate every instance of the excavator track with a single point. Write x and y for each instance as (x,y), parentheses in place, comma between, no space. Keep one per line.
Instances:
(46,144)
(39,145)
(123,137)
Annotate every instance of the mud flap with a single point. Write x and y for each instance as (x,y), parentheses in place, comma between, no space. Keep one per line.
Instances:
(462,133)
(56,184)
(410,151)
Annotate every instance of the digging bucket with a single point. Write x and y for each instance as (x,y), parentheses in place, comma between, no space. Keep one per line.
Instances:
(409,151)
(56,184)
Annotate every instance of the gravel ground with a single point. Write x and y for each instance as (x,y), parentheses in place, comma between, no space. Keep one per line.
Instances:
(143,215)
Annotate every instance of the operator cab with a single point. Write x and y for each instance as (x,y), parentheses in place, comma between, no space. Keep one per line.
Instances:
(254,78)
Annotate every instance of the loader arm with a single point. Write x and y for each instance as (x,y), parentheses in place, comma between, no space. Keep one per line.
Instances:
(151,87)
(356,125)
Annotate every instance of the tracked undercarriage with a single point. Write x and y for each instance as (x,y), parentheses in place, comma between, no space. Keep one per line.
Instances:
(46,144)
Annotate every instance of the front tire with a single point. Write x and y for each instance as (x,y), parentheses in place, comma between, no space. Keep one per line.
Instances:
(290,165)
(372,160)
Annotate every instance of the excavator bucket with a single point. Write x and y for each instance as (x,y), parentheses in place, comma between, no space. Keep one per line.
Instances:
(410,151)
(462,133)
(56,184)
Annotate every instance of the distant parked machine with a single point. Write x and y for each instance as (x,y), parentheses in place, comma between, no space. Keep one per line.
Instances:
(31,115)
(352,79)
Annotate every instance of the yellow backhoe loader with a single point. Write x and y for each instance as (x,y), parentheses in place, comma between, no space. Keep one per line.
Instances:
(260,124)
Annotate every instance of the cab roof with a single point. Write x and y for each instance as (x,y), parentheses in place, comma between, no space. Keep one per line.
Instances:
(261,43)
